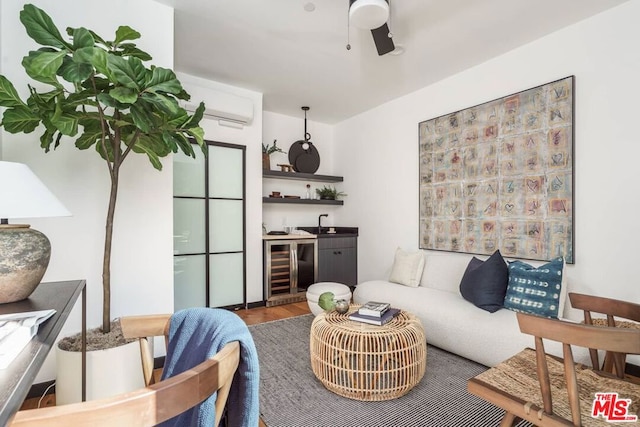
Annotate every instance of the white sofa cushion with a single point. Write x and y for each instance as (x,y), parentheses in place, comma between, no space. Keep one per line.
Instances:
(456,325)
(407,268)
(444,272)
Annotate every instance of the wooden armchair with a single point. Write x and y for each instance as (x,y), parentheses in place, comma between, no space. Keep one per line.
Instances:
(155,403)
(613,310)
(550,391)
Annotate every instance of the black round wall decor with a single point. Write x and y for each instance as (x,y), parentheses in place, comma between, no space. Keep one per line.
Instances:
(303,156)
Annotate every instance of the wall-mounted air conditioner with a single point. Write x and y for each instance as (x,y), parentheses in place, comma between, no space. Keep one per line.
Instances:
(223,106)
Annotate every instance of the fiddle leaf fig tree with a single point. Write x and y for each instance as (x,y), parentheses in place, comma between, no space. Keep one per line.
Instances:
(100,94)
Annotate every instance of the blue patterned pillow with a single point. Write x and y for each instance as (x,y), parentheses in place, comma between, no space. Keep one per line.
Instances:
(535,290)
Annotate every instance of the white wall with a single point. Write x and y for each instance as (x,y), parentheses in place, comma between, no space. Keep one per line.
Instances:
(249,136)
(142,259)
(287,130)
(379,148)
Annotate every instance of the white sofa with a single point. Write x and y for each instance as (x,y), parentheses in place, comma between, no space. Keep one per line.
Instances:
(451,322)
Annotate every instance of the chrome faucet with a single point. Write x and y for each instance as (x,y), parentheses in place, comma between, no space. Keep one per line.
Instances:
(320,222)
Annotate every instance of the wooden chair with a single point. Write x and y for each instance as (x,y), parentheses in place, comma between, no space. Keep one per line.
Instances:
(613,310)
(550,391)
(155,403)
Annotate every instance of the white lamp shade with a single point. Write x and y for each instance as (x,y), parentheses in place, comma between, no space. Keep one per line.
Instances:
(368,14)
(23,195)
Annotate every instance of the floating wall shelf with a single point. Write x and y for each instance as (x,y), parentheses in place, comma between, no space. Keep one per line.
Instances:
(301,201)
(301,176)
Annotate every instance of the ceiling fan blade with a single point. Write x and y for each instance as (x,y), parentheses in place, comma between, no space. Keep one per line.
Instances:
(381,38)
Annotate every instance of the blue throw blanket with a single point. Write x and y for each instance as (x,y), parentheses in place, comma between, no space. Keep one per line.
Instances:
(197,334)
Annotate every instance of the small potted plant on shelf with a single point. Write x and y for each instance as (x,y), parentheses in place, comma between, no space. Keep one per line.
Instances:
(267,151)
(329,193)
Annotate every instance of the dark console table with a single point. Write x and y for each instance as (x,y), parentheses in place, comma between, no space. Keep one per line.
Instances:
(17,378)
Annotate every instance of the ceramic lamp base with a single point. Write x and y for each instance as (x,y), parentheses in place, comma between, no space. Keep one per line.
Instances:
(24,257)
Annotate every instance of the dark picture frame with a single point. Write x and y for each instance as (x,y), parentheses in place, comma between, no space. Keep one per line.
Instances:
(499,175)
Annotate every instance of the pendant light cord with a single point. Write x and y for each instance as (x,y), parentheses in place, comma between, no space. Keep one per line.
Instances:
(348,29)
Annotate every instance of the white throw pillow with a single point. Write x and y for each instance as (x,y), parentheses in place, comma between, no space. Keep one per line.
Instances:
(407,268)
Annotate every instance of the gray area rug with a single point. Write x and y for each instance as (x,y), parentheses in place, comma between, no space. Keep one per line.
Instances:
(290,395)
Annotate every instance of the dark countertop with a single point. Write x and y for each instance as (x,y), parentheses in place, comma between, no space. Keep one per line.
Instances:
(339,231)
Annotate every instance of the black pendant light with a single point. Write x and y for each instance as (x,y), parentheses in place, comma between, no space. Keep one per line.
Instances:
(303,156)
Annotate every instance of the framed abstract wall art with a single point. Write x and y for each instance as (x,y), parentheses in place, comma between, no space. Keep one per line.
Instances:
(500,176)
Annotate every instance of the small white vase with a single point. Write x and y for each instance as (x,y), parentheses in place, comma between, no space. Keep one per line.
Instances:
(109,372)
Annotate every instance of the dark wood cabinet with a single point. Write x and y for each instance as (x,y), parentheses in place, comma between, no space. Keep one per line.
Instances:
(338,260)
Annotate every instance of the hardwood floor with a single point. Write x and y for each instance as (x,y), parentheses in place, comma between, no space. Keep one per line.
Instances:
(269,314)
(251,317)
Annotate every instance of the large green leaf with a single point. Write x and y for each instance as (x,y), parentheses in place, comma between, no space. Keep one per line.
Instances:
(20,120)
(82,98)
(169,139)
(194,120)
(41,28)
(98,57)
(128,72)
(179,118)
(100,84)
(125,32)
(163,80)
(108,154)
(82,38)
(92,133)
(66,123)
(43,104)
(198,134)
(75,72)
(109,101)
(167,104)
(96,37)
(140,71)
(46,139)
(84,54)
(8,95)
(141,117)
(124,95)
(178,140)
(183,95)
(45,96)
(43,64)
(153,148)
(130,49)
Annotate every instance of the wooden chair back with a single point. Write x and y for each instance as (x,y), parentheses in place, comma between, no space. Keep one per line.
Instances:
(614,310)
(153,404)
(610,339)
(550,391)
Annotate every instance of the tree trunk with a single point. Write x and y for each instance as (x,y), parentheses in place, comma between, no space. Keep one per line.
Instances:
(106,264)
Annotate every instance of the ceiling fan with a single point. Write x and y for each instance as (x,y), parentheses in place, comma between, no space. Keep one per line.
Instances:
(373,15)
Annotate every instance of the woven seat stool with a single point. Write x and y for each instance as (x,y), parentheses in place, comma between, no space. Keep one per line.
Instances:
(368,362)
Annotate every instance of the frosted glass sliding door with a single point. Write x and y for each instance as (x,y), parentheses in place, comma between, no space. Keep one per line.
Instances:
(209,228)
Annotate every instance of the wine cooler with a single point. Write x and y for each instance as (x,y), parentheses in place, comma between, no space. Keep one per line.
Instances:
(290,267)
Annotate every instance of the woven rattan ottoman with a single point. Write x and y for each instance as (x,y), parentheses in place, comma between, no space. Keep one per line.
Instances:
(368,362)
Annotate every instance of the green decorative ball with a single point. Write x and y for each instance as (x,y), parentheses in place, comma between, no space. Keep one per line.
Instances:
(326,302)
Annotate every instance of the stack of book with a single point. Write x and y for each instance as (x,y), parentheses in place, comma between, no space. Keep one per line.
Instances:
(375,313)
(16,330)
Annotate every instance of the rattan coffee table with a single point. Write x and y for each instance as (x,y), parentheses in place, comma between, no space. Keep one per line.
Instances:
(368,362)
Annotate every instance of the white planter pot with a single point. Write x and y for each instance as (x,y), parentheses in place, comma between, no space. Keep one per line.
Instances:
(109,372)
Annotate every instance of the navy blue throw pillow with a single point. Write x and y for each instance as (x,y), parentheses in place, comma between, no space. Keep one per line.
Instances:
(484,283)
